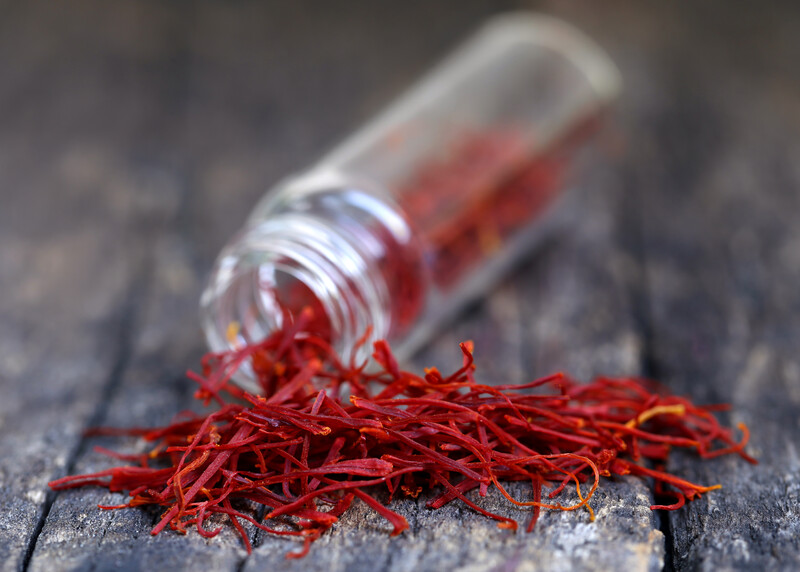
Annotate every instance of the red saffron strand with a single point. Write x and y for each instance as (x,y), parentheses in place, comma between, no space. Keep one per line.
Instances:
(307,453)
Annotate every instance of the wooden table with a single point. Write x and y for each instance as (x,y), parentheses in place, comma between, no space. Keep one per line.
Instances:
(135,136)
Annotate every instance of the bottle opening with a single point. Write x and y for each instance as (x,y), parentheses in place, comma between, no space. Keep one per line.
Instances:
(283,266)
(285,295)
(261,300)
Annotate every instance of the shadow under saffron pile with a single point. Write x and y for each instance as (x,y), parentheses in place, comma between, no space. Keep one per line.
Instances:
(324,433)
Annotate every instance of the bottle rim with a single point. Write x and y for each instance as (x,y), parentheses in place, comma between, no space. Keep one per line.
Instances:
(251,275)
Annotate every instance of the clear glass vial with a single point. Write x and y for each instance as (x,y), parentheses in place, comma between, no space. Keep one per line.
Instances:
(421,209)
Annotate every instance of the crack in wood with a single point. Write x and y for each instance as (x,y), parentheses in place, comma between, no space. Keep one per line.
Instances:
(126,328)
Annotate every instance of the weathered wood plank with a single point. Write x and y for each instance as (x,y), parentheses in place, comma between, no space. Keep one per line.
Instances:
(126,110)
(85,194)
(723,328)
(54,364)
(717,170)
(67,272)
(77,535)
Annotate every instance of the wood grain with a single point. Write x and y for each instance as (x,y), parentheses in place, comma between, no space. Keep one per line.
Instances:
(721,246)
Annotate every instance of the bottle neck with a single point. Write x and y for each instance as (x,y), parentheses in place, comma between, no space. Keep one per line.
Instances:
(287,263)
(344,253)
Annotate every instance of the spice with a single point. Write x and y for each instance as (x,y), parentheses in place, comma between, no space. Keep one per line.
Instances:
(325,433)
(466,205)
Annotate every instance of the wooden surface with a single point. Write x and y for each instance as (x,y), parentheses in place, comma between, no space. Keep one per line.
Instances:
(135,136)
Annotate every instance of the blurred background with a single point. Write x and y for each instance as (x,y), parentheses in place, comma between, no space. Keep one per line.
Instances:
(135,136)
(139,116)
(138,135)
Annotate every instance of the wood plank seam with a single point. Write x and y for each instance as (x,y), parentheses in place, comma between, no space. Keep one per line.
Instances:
(127,326)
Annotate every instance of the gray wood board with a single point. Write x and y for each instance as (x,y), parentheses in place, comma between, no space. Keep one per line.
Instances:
(134,140)
(721,252)
(74,224)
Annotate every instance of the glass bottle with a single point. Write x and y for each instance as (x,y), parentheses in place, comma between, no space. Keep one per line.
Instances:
(424,207)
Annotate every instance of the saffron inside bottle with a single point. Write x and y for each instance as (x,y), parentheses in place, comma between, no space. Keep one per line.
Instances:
(426,206)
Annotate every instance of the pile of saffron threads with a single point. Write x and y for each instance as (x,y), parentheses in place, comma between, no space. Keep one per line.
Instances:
(324,433)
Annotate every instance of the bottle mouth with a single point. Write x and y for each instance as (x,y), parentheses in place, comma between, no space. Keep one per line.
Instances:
(278,268)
